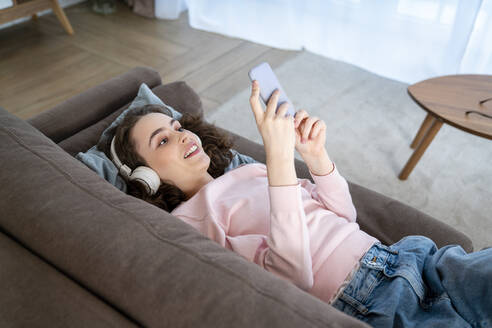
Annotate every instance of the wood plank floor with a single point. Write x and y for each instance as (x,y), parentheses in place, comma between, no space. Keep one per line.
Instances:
(41,66)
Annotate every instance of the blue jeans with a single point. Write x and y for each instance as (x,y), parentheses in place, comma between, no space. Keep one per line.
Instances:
(414,284)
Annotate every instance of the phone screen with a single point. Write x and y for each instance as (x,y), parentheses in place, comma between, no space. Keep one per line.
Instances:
(268,82)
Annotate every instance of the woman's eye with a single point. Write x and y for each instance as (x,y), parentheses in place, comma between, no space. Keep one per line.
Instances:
(160,143)
(165,139)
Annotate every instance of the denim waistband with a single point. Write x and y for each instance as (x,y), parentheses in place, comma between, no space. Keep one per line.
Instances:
(378,256)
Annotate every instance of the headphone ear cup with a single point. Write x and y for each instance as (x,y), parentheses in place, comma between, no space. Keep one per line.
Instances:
(148,177)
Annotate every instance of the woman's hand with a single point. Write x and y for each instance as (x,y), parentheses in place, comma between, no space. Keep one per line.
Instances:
(276,129)
(312,131)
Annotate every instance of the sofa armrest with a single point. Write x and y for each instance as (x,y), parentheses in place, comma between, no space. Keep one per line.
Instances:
(94,104)
(385,218)
(34,294)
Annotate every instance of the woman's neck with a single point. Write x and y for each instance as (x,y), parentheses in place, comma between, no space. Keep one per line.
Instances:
(199,184)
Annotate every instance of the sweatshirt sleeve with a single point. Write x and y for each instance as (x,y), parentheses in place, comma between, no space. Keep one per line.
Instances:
(286,252)
(333,192)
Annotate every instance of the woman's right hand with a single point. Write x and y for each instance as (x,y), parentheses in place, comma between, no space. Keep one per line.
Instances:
(276,129)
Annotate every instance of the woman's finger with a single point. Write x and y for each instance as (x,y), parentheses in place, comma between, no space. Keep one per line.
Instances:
(300,115)
(315,130)
(307,127)
(272,104)
(283,109)
(255,102)
(322,128)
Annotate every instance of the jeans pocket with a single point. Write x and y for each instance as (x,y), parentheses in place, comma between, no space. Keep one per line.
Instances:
(360,290)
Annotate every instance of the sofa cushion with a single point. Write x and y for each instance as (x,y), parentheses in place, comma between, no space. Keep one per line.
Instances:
(34,294)
(145,262)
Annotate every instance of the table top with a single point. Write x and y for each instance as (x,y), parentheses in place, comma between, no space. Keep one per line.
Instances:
(450,97)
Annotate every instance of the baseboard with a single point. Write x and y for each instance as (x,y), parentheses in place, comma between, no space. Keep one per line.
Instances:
(63,4)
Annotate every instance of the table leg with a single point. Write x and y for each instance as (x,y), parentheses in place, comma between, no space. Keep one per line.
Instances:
(417,154)
(422,131)
(58,10)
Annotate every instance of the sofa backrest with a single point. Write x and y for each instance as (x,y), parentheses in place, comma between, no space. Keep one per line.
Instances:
(93,105)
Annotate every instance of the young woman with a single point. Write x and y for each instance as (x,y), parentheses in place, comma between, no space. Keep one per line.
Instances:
(303,232)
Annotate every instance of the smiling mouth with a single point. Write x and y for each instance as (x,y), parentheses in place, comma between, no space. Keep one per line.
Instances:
(194,152)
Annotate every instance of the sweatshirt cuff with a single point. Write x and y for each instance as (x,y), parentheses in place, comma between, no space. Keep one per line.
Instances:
(285,198)
(331,179)
(331,172)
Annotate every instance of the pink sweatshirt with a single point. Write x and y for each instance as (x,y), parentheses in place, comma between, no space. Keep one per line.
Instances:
(304,233)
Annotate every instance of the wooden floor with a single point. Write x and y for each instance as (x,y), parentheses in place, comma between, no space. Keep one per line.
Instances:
(41,65)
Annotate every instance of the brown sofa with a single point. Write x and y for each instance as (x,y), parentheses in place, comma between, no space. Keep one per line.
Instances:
(77,252)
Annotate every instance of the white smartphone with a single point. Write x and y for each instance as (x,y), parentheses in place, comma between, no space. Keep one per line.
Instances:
(268,82)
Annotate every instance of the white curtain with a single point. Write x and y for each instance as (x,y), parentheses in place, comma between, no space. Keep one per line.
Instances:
(406,40)
(6,3)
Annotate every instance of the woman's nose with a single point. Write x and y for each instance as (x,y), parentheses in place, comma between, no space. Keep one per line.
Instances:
(184,138)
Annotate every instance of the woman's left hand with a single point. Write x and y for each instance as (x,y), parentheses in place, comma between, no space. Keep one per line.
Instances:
(313,131)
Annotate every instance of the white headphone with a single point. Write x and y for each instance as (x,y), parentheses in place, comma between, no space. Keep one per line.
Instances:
(144,174)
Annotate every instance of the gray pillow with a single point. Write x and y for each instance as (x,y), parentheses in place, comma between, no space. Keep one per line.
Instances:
(97,160)
(144,97)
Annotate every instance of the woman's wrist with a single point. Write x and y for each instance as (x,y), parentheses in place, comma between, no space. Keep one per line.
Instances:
(279,153)
(281,172)
(319,165)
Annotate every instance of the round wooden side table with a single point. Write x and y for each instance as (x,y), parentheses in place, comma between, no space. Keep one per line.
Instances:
(463,101)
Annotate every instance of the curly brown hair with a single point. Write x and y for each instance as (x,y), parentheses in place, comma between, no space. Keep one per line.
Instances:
(215,143)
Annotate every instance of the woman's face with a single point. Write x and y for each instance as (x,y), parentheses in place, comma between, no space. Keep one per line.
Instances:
(163,143)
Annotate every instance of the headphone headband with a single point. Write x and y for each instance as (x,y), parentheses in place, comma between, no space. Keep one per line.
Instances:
(122,168)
